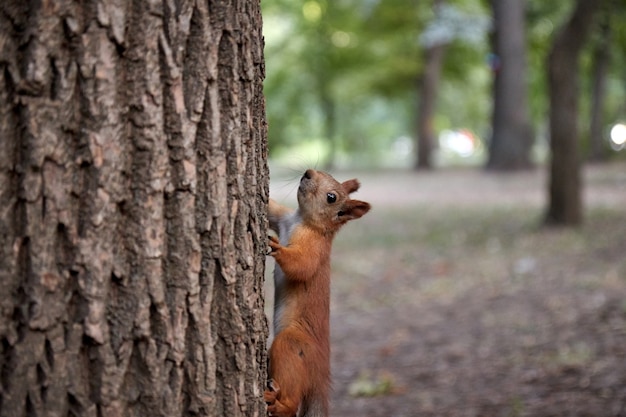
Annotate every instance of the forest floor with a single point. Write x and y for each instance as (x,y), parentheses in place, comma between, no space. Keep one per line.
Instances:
(450,299)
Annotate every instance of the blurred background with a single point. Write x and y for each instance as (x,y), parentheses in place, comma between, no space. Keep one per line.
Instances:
(475,128)
(358,83)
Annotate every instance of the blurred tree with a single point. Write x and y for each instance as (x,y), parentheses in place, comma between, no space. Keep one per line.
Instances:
(616,85)
(565,201)
(314,57)
(341,76)
(607,56)
(324,64)
(133,188)
(512,133)
(433,54)
(450,24)
(542,19)
(600,67)
(347,69)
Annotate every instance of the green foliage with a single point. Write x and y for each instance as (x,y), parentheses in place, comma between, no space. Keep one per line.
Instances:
(615,105)
(368,386)
(342,75)
(543,21)
(362,59)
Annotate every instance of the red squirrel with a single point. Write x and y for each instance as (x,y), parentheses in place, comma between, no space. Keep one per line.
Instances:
(299,358)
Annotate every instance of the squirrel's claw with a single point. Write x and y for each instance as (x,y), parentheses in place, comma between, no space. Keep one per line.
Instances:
(274,244)
(271,394)
(272,386)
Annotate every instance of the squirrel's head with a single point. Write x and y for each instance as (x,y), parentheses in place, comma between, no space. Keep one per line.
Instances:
(325,203)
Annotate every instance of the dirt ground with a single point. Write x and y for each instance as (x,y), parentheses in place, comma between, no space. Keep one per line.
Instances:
(449,299)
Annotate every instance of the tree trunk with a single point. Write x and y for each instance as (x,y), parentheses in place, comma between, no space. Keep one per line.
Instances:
(427,101)
(329,118)
(133,209)
(601,58)
(511,139)
(565,201)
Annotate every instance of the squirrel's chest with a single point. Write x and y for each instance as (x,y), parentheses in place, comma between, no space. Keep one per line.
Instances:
(287,227)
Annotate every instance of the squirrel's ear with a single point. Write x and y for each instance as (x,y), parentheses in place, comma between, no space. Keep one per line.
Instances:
(351,186)
(353,209)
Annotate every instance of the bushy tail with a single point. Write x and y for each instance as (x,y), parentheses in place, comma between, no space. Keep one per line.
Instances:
(315,408)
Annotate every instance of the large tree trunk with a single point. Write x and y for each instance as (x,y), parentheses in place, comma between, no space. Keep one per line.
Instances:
(133,192)
(565,201)
(511,138)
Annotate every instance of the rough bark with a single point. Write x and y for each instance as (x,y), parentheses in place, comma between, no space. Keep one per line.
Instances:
(564,193)
(133,192)
(511,139)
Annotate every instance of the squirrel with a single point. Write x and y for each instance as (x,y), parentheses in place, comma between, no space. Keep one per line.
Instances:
(299,357)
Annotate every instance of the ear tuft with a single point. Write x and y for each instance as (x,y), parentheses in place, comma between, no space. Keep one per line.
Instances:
(351,186)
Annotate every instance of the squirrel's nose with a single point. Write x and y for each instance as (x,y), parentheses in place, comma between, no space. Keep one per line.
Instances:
(308,174)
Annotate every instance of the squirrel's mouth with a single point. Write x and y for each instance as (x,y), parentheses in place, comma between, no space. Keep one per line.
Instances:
(305,185)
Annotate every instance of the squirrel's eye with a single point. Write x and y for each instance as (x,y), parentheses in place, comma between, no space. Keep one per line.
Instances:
(331,198)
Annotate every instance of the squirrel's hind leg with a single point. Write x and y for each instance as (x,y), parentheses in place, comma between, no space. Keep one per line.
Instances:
(276,405)
(289,375)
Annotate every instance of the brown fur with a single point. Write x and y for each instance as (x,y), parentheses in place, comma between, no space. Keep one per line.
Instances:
(300,354)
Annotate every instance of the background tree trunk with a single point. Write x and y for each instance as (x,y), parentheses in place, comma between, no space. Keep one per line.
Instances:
(329,117)
(511,139)
(427,92)
(565,201)
(598,150)
(133,192)
(427,101)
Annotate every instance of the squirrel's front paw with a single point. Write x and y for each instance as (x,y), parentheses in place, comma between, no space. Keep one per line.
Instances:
(274,244)
(271,394)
